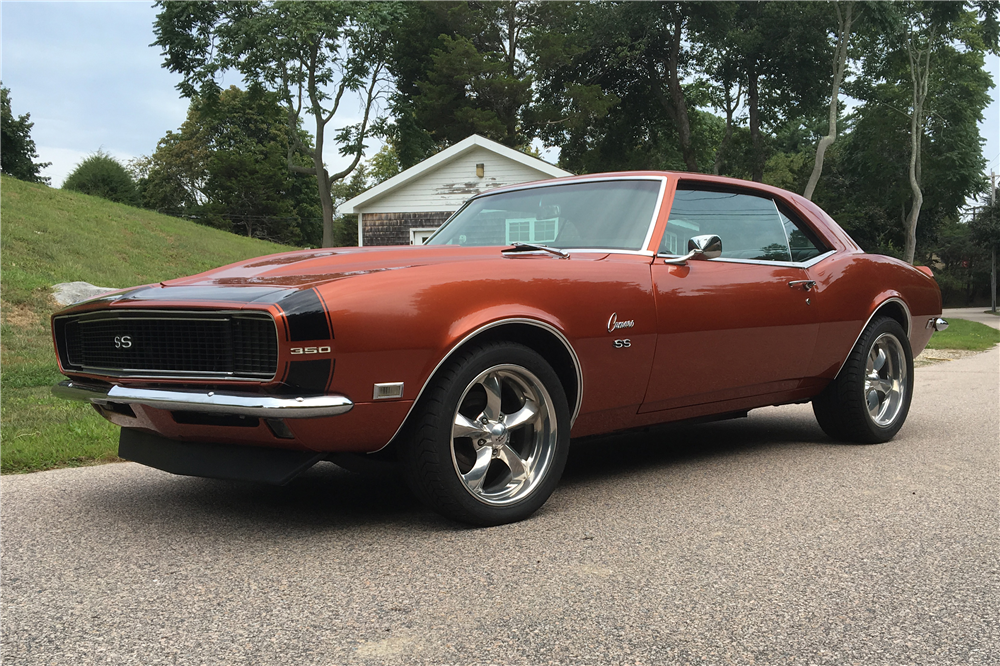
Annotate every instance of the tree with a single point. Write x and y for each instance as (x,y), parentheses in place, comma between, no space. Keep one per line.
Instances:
(985,233)
(101,175)
(845,18)
(924,32)
(610,92)
(778,50)
(227,167)
(17,148)
(310,53)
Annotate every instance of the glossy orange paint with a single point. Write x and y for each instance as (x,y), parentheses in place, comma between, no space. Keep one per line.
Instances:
(707,338)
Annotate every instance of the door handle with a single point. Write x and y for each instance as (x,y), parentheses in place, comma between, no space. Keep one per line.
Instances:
(805,284)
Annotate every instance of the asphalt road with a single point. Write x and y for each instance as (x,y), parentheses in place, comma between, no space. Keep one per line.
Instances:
(756,541)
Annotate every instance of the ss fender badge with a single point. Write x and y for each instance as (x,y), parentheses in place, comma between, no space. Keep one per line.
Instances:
(623,344)
(614,324)
(310,350)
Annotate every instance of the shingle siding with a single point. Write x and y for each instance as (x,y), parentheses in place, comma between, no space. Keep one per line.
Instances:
(394,228)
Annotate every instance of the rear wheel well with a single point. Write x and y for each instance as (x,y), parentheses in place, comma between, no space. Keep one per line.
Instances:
(896,310)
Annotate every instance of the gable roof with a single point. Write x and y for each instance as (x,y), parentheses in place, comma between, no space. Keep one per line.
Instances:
(447,155)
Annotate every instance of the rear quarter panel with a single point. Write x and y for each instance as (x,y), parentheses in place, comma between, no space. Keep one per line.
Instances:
(850,288)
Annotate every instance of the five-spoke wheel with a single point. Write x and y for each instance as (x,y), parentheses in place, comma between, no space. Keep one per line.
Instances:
(491,437)
(504,434)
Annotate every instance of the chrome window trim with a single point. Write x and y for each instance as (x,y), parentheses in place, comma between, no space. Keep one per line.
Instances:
(909,326)
(656,215)
(791,264)
(556,183)
(512,320)
(98,315)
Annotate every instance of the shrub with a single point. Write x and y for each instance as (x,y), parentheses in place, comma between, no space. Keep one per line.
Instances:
(103,176)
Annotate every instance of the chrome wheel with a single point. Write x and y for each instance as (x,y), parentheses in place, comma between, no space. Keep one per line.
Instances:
(504,435)
(886,382)
(869,399)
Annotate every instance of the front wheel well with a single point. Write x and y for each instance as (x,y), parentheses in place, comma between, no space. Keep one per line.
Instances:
(546,343)
(537,337)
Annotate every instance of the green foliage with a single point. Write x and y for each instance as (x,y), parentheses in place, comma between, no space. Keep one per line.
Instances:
(17,148)
(101,175)
(309,53)
(984,228)
(227,167)
(961,268)
(963,334)
(52,236)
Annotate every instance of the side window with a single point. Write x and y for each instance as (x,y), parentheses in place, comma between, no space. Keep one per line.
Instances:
(751,227)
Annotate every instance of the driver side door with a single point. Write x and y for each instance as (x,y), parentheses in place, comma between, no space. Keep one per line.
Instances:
(743,324)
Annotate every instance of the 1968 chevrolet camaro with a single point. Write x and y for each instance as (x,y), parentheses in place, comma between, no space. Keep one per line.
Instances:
(571,307)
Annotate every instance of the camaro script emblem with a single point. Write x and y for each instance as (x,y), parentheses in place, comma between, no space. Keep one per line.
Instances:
(614,324)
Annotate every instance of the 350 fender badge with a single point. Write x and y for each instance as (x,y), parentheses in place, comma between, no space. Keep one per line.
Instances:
(310,350)
(614,324)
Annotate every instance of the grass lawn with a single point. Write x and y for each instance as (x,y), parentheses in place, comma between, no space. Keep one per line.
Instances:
(51,236)
(963,334)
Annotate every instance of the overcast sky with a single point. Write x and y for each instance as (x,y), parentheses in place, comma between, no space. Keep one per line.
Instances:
(88,77)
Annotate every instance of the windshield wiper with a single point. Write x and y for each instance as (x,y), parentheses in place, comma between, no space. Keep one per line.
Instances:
(531,247)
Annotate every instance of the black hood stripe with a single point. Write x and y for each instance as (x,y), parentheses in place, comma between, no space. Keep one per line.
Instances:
(306,316)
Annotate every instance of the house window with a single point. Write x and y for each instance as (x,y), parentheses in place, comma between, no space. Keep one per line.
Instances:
(420,235)
(530,230)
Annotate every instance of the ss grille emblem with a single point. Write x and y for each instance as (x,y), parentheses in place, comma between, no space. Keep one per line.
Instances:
(123,341)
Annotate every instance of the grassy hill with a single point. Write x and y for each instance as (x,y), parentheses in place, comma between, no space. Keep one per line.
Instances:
(50,236)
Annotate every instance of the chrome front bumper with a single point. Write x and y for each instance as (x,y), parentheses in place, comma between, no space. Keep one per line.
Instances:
(213,402)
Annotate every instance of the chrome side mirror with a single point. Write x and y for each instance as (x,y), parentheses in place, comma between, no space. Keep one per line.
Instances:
(699,247)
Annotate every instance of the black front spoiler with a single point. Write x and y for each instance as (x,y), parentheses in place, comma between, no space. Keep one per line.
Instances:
(215,461)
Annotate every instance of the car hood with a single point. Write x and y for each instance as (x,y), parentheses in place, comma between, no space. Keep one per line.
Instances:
(308,267)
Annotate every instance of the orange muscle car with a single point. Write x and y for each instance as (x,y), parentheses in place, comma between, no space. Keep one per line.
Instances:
(571,307)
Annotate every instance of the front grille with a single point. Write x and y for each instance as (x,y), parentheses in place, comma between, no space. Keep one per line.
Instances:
(170,344)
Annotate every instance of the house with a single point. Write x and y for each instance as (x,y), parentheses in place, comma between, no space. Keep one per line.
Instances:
(407,208)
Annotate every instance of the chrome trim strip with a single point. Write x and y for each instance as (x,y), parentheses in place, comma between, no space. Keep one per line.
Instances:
(115,313)
(199,375)
(262,406)
(656,214)
(791,264)
(555,182)
(909,326)
(514,320)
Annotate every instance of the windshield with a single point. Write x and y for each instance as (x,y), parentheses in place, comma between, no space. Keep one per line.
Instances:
(605,215)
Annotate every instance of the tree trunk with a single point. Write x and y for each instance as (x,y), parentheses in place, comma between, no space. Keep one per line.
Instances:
(323,182)
(993,283)
(721,150)
(677,97)
(920,74)
(839,63)
(753,102)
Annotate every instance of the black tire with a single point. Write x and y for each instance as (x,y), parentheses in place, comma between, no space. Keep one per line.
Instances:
(462,466)
(868,401)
